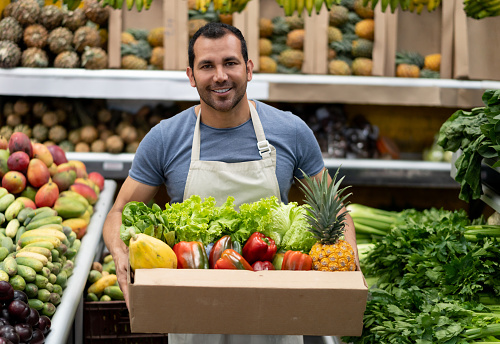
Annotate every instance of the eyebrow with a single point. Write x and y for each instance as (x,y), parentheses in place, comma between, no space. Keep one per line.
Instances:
(226,59)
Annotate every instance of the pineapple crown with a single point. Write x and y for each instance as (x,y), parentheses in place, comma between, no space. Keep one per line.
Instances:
(325,202)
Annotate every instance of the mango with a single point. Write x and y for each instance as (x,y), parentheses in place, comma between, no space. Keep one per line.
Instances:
(28,202)
(97,178)
(76,196)
(47,195)
(14,182)
(29,192)
(20,142)
(40,151)
(77,225)
(3,167)
(81,169)
(90,183)
(52,169)
(58,154)
(86,191)
(66,166)
(64,179)
(67,207)
(38,173)
(4,143)
(18,161)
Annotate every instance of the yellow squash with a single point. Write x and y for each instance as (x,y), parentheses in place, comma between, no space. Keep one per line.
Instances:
(146,252)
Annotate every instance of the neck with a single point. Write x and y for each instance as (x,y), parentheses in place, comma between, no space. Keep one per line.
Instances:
(230,119)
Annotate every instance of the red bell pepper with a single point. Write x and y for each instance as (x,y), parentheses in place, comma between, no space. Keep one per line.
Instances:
(296,260)
(220,246)
(230,259)
(260,266)
(191,255)
(259,247)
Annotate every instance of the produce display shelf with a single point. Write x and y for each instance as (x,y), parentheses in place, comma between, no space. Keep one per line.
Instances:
(174,85)
(402,173)
(62,320)
(357,171)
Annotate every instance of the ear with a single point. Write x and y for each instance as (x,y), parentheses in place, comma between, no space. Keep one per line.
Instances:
(249,70)
(190,75)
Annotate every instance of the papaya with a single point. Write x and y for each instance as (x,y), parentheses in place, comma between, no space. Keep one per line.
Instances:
(146,252)
(67,207)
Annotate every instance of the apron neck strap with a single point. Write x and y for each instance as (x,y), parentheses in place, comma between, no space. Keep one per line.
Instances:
(262,144)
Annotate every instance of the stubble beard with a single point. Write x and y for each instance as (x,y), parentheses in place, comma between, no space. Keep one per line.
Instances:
(221,106)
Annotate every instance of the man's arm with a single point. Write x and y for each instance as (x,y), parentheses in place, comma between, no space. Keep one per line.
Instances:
(350,231)
(131,190)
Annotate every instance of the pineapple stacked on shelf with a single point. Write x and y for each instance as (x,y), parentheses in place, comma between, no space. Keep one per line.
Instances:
(38,36)
(350,38)
(199,17)
(281,44)
(412,64)
(142,49)
(49,122)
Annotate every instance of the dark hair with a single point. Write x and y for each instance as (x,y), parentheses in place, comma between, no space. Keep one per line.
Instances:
(214,31)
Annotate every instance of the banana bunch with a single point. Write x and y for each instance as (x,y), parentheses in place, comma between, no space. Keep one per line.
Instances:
(222,6)
(479,9)
(290,6)
(405,5)
(116,4)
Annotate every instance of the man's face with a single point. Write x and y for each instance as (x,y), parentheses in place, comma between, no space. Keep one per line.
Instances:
(219,72)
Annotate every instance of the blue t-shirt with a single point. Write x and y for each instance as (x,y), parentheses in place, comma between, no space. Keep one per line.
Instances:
(164,155)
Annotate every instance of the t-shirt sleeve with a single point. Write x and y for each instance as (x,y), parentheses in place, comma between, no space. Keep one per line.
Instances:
(147,164)
(309,157)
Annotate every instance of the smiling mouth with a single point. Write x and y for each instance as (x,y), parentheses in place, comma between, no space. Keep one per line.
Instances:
(224,90)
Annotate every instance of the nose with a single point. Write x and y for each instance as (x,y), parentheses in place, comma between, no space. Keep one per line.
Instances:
(220,75)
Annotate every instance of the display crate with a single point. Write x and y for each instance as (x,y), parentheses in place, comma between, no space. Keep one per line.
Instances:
(109,322)
(425,33)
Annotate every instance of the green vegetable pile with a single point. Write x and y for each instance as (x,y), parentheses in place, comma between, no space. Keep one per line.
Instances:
(202,220)
(436,280)
(477,134)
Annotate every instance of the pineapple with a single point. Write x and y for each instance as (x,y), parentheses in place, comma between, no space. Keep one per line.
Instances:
(362,48)
(60,40)
(134,62)
(10,30)
(339,67)
(94,11)
(40,132)
(265,47)
(74,19)
(291,58)
(410,57)
(295,39)
(295,22)
(155,37)
(365,29)
(339,15)
(67,59)
(326,217)
(86,36)
(429,74)
(157,55)
(363,11)
(334,34)
(94,58)
(34,58)
(362,66)
(10,54)
(51,17)
(265,27)
(26,12)
(35,36)
(194,25)
(405,70)
(267,65)
(433,62)
(127,38)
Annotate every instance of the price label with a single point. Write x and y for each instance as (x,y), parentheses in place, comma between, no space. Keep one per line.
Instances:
(112,166)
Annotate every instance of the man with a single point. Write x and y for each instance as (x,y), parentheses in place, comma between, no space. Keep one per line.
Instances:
(226,146)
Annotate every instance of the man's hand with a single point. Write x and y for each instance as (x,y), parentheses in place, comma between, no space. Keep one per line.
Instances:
(122,264)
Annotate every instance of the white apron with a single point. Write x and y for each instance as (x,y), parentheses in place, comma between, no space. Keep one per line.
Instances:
(248,182)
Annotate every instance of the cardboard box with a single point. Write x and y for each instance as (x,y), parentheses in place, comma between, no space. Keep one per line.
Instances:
(247,302)
(426,33)
(476,46)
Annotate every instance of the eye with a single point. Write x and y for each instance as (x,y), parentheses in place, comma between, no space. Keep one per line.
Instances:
(207,66)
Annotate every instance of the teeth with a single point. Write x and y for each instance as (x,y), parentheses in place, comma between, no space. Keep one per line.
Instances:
(222,91)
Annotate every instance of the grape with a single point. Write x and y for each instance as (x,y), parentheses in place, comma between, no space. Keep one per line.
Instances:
(19,310)
(24,331)
(6,291)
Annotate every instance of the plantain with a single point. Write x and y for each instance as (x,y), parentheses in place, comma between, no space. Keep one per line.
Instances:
(300,7)
(318,4)
(309,6)
(130,4)
(139,4)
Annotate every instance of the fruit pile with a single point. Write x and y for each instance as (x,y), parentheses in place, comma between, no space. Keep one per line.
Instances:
(350,38)
(20,323)
(102,283)
(142,49)
(412,64)
(281,44)
(47,36)
(91,127)
(46,203)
